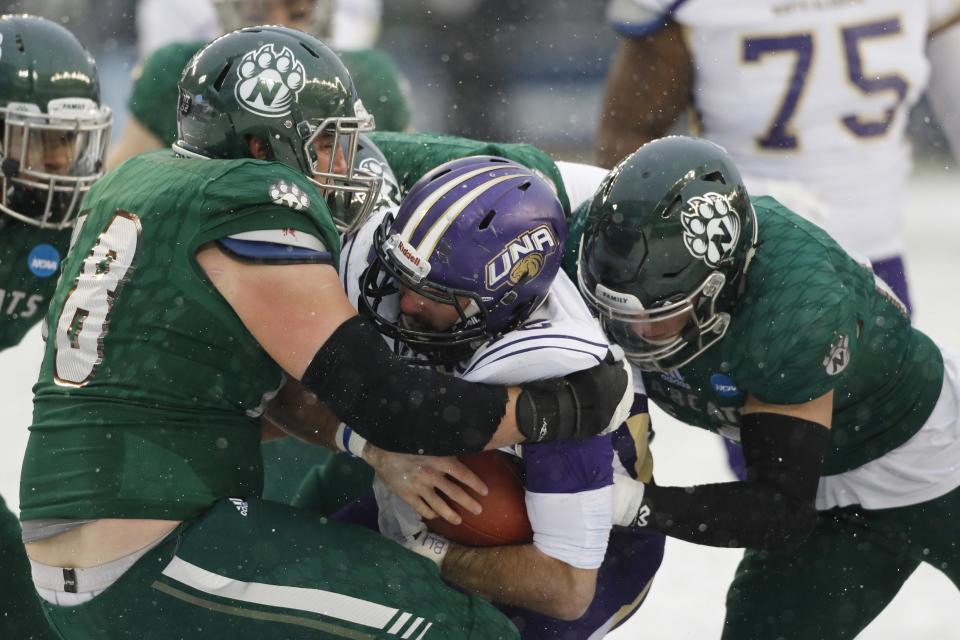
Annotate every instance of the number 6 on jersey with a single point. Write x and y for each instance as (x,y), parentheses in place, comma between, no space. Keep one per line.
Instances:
(83,322)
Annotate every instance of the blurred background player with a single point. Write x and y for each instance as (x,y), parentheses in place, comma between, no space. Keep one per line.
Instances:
(153,125)
(355,24)
(748,320)
(54,138)
(805,96)
(810,99)
(483,300)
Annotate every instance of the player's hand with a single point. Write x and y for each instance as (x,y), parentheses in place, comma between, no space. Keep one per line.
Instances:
(628,507)
(417,480)
(399,522)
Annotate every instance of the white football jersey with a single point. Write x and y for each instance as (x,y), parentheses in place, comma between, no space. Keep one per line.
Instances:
(571,512)
(811,91)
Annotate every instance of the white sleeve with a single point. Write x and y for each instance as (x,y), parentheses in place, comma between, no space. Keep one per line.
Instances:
(944,87)
(572,527)
(942,13)
(356,24)
(580,181)
(355,253)
(160,22)
(634,18)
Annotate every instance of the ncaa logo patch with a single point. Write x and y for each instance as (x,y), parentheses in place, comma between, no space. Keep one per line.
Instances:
(724,385)
(711,228)
(44,260)
(269,81)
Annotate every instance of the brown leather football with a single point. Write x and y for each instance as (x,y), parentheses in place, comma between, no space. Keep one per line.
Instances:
(504,516)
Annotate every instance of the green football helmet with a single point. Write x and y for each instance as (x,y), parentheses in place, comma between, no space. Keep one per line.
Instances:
(669,237)
(55,131)
(288,89)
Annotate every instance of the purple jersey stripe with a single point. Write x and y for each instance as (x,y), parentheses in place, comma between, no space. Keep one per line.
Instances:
(519,351)
(569,467)
(558,336)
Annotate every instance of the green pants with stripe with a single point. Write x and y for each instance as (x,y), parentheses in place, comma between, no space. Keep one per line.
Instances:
(20,614)
(847,571)
(260,570)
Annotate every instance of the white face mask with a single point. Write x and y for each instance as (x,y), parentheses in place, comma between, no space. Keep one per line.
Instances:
(51,159)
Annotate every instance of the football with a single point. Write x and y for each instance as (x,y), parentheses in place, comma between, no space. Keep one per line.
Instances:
(504,516)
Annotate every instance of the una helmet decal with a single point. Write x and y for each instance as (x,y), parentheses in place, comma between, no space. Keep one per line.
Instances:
(711,228)
(269,81)
(522,258)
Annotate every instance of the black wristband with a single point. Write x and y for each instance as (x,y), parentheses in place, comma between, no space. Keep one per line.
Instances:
(546,411)
(399,407)
(575,407)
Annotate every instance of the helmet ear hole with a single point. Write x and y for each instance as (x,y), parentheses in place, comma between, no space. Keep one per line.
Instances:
(487,219)
(222,76)
(673,208)
(715,176)
(309,50)
(19,43)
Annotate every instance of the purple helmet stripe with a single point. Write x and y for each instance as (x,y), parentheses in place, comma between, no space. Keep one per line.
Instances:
(450,214)
(424,207)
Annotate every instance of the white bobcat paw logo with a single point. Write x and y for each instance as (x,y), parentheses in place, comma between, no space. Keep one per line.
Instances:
(269,81)
(711,228)
(289,195)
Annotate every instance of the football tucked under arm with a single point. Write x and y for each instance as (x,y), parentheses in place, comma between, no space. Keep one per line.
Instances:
(540,550)
(501,516)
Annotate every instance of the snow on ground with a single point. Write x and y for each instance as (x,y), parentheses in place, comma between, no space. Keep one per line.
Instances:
(687,598)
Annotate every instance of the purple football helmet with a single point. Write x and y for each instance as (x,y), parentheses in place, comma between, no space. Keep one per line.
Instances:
(481,228)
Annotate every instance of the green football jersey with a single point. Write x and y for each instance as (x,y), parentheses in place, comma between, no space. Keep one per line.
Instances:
(810,319)
(29,265)
(412,155)
(153,100)
(150,389)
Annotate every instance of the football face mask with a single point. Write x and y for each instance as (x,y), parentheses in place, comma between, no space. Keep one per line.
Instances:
(331,148)
(50,160)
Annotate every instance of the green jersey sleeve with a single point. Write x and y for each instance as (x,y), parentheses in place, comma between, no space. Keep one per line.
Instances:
(795,332)
(153,100)
(411,155)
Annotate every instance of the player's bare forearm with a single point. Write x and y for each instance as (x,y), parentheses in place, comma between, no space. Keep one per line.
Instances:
(301,414)
(522,576)
(648,87)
